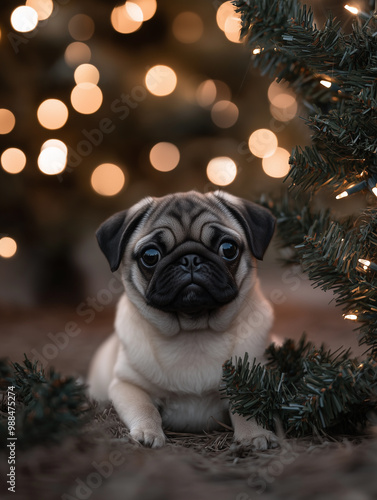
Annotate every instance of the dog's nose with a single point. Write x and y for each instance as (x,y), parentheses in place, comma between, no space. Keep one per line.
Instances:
(190,262)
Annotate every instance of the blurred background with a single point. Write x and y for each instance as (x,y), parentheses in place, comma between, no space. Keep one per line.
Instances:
(103,103)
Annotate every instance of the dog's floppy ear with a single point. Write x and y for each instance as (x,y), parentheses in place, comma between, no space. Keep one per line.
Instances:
(257,222)
(114,233)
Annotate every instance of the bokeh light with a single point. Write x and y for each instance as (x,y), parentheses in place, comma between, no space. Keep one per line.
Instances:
(148,8)
(56,143)
(161,80)
(77,53)
(221,171)
(81,27)
(285,113)
(13,160)
(86,73)
(283,101)
(224,114)
(277,165)
(134,11)
(226,10)
(52,161)
(122,22)
(108,179)
(7,121)
(233,28)
(43,8)
(24,19)
(188,27)
(164,156)
(8,247)
(206,93)
(86,98)
(211,90)
(52,114)
(263,143)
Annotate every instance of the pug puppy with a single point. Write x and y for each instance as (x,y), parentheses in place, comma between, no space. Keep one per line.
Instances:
(192,300)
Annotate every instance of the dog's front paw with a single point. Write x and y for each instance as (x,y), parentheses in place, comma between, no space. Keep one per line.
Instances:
(263,440)
(149,437)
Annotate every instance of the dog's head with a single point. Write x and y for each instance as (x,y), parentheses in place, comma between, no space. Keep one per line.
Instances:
(186,260)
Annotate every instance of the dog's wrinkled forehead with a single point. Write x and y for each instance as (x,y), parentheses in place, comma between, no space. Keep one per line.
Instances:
(186,217)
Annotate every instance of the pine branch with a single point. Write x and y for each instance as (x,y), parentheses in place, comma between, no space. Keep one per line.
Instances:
(49,406)
(308,390)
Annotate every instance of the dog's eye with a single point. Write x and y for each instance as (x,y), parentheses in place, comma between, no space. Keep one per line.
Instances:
(150,257)
(228,250)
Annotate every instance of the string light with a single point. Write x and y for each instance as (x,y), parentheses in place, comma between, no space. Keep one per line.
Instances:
(352,317)
(256,51)
(353,189)
(7,121)
(353,10)
(263,143)
(325,83)
(52,114)
(368,264)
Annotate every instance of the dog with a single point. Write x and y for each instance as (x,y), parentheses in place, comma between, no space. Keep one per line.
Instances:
(192,300)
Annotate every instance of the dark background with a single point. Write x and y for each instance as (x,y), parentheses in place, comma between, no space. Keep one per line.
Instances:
(57,266)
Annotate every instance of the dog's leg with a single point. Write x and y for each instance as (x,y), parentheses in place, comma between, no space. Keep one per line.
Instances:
(138,412)
(249,433)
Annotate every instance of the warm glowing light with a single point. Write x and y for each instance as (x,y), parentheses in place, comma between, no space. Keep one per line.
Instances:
(148,8)
(123,22)
(77,53)
(263,143)
(352,317)
(8,247)
(52,161)
(43,8)
(365,263)
(7,121)
(108,179)
(325,83)
(342,195)
(188,27)
(160,80)
(52,114)
(211,90)
(24,19)
(284,114)
(55,143)
(13,160)
(256,51)
(283,101)
(86,98)
(86,73)
(223,12)
(134,11)
(164,156)
(221,171)
(224,114)
(206,93)
(374,191)
(353,10)
(233,28)
(81,27)
(277,165)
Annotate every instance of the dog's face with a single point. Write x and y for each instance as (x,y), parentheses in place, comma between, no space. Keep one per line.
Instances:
(186,260)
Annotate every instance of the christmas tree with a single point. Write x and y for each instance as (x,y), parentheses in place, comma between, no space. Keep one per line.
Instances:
(333,73)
